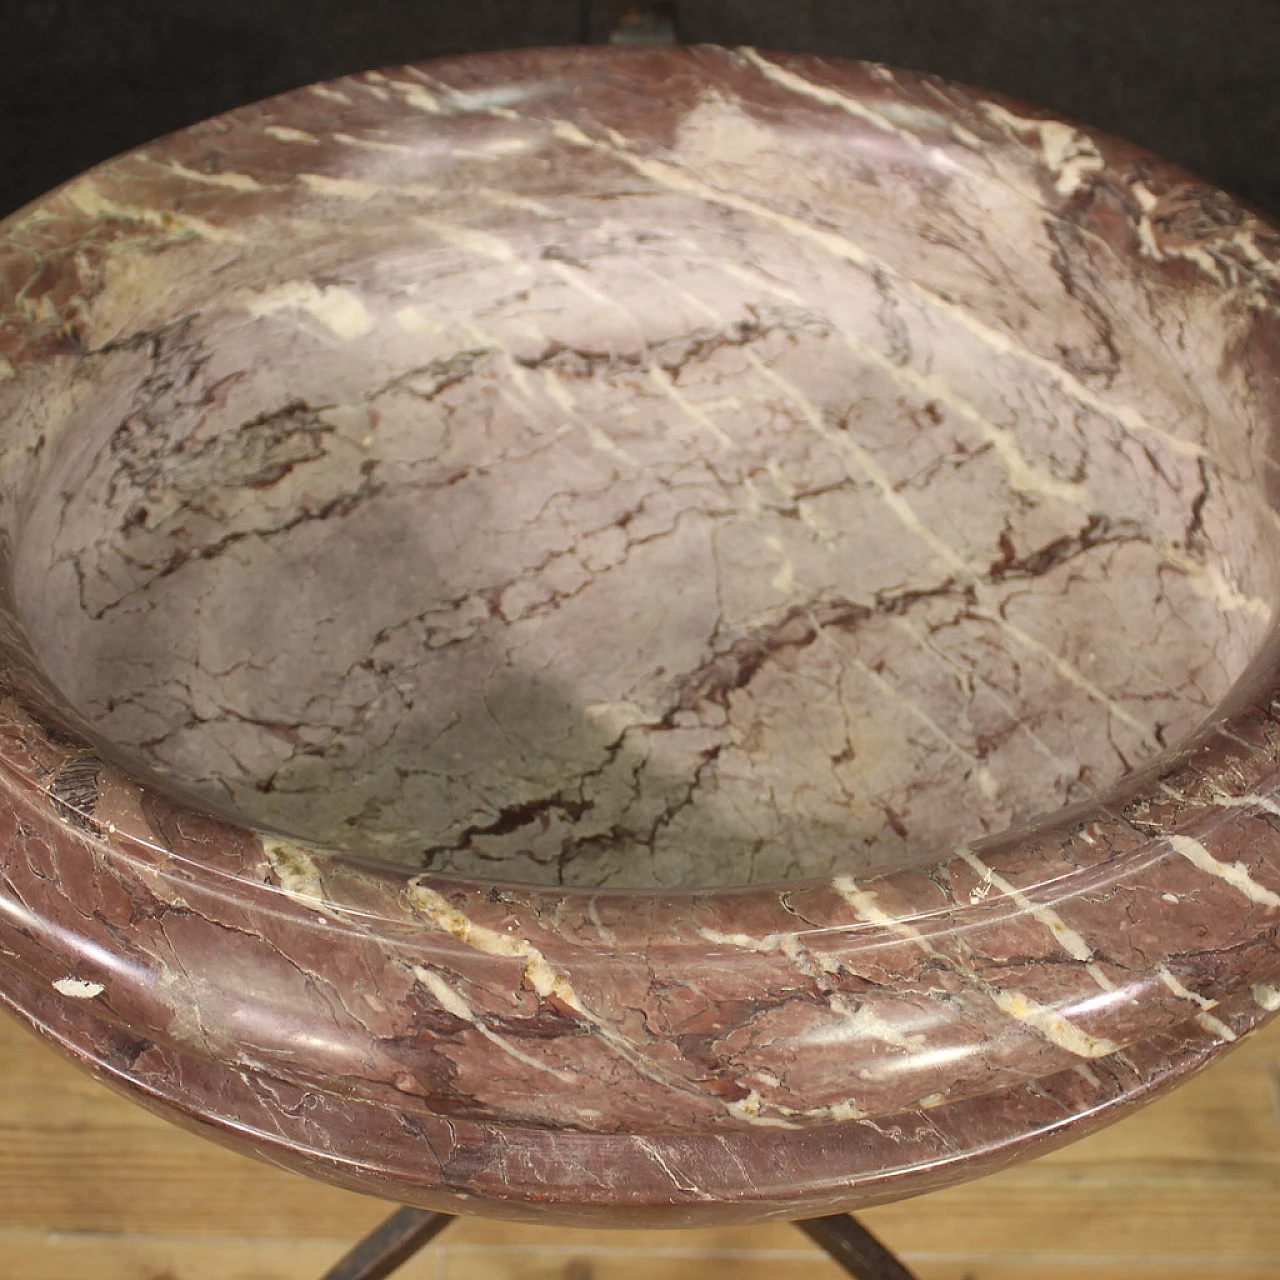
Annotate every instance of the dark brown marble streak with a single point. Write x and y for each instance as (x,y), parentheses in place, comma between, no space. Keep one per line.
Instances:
(639,636)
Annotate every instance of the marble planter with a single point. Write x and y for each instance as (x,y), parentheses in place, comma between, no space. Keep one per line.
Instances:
(639,636)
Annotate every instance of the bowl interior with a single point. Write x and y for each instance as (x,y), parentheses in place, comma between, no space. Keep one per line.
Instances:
(535,517)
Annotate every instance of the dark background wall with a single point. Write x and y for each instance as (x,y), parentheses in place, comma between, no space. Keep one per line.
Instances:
(83,79)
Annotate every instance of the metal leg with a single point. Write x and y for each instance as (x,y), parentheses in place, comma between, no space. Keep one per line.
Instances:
(391,1245)
(630,21)
(854,1248)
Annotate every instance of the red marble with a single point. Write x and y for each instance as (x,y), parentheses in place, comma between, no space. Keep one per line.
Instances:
(848,494)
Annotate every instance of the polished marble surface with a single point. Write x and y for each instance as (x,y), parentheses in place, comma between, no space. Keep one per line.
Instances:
(640,635)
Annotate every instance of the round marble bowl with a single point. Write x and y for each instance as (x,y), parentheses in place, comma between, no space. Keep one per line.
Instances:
(669,635)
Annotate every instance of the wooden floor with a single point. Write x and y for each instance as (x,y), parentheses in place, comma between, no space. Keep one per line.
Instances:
(91,1186)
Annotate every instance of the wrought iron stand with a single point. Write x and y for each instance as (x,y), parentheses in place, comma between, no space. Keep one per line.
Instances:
(392,1244)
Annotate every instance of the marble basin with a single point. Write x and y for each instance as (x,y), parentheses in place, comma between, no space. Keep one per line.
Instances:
(639,636)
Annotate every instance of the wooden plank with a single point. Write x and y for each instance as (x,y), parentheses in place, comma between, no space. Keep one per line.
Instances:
(36,1255)
(1196,1176)
(482,1265)
(537,1264)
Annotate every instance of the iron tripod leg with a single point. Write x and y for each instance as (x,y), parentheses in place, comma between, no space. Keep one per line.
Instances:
(854,1247)
(392,1244)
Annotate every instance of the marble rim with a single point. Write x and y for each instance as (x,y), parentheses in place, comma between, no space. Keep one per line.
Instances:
(595,1056)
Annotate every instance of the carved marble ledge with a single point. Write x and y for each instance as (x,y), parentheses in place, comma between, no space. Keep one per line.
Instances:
(639,635)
